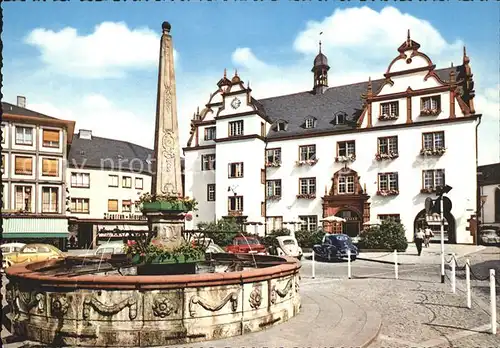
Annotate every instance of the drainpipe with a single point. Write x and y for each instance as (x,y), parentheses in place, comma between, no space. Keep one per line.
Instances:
(265,188)
(478,188)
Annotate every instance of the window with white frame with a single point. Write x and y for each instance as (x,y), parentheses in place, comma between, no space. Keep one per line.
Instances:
(50,199)
(309,223)
(388,145)
(113,180)
(23,197)
(24,135)
(235,170)
(235,128)
(50,138)
(281,126)
(80,205)
(127,182)
(211,192)
(307,186)
(210,133)
(433,140)
(80,180)
(310,122)
(208,162)
(346,184)
(431,103)
(387,217)
(340,118)
(273,188)
(273,155)
(388,181)
(126,206)
(390,108)
(3,133)
(307,152)
(274,223)
(433,179)
(235,203)
(346,148)
(139,183)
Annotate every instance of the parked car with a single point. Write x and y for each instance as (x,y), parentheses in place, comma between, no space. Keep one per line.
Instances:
(110,248)
(32,253)
(490,237)
(214,249)
(8,248)
(243,244)
(335,247)
(288,246)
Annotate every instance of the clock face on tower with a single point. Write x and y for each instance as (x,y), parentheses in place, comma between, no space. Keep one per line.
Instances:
(235,103)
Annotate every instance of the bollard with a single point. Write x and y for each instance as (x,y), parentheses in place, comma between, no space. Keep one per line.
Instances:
(396,270)
(493,300)
(467,283)
(349,263)
(313,270)
(453,274)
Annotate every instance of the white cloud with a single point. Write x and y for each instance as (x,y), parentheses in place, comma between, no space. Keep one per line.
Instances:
(97,113)
(109,51)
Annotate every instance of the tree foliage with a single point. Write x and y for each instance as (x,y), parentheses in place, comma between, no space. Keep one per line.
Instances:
(388,235)
(307,239)
(221,231)
(270,240)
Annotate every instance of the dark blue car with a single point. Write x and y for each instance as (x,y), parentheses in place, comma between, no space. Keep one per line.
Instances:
(335,247)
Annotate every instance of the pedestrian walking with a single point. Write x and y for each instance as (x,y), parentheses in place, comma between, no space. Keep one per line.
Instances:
(419,240)
(428,235)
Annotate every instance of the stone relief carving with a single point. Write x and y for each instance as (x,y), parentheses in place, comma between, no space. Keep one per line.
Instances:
(256,296)
(59,306)
(168,233)
(195,299)
(25,301)
(163,307)
(109,310)
(282,293)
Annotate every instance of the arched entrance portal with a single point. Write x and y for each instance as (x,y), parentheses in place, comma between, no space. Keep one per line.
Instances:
(435,225)
(353,222)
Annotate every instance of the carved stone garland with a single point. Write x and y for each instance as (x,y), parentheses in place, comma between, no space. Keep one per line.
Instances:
(109,310)
(282,293)
(19,300)
(256,297)
(233,297)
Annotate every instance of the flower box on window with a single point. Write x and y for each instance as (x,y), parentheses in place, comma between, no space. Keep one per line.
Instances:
(386,117)
(309,162)
(386,156)
(273,164)
(430,112)
(274,198)
(387,193)
(235,213)
(437,151)
(343,159)
(428,190)
(306,196)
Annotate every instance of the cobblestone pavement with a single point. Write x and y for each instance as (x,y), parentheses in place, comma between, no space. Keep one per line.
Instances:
(416,310)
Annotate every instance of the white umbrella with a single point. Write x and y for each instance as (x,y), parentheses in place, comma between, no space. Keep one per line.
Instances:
(333,219)
(372,222)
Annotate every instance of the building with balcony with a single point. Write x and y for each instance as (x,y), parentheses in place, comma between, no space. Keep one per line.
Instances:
(365,151)
(105,178)
(34,149)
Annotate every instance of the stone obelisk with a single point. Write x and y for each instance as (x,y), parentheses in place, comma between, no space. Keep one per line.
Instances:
(166,179)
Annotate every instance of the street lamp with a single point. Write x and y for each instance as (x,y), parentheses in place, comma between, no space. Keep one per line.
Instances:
(439,193)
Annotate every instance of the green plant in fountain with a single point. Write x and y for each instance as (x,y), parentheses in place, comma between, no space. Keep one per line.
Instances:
(173,202)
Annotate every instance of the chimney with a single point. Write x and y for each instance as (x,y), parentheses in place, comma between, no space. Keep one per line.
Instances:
(21,101)
(85,134)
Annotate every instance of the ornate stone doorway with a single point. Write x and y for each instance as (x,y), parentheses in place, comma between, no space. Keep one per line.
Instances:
(347,199)
(435,225)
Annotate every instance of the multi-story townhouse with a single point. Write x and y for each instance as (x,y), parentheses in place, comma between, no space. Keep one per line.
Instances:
(105,178)
(489,182)
(365,151)
(34,149)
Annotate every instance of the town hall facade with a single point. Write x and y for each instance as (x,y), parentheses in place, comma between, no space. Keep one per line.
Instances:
(363,152)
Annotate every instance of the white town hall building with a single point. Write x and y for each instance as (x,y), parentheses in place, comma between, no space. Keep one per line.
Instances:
(365,151)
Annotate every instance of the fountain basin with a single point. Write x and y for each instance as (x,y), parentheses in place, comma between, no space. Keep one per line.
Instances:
(144,311)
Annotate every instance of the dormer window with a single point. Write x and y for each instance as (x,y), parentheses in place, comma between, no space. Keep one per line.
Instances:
(310,123)
(430,106)
(281,126)
(340,118)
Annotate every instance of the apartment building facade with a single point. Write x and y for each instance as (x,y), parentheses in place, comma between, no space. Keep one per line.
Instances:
(365,151)
(34,150)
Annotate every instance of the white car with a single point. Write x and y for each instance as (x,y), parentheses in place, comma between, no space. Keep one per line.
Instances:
(11,247)
(108,248)
(288,246)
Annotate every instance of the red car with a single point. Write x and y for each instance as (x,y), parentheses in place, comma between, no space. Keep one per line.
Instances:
(249,245)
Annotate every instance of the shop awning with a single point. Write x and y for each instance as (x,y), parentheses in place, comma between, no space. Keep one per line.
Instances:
(34,228)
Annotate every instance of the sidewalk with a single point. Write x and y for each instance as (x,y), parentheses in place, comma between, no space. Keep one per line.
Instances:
(429,256)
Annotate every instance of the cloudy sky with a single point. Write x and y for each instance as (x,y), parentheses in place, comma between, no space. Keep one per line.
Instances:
(96,63)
